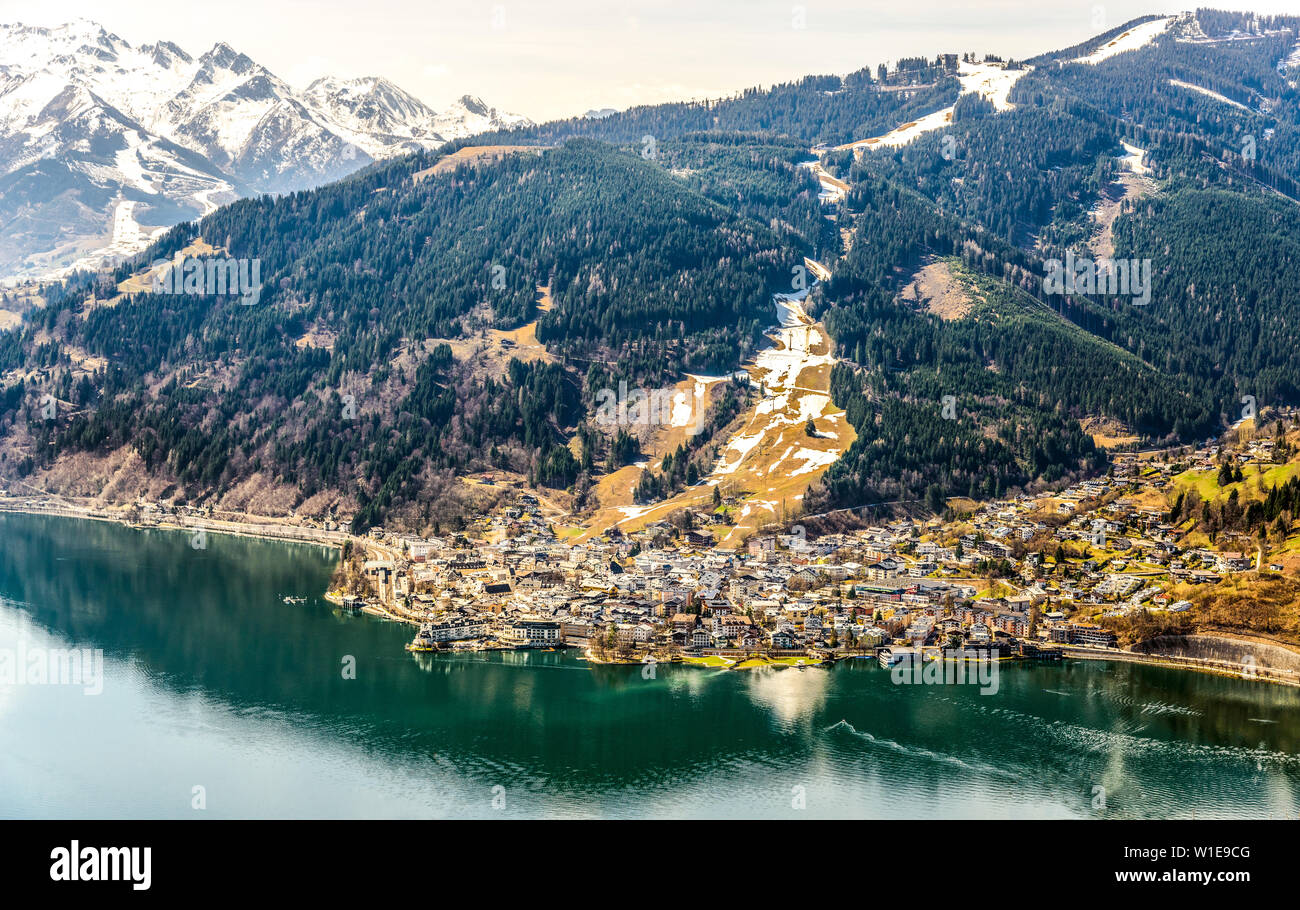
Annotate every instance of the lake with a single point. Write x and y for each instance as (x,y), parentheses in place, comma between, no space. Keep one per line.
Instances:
(217,693)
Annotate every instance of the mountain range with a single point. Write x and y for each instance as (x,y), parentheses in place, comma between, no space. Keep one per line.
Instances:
(458,310)
(103,144)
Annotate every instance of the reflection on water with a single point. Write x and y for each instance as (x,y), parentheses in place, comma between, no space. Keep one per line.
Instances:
(791,694)
(213,680)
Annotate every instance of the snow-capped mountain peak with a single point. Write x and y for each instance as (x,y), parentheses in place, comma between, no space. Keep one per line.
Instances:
(103,144)
(468,115)
(373,113)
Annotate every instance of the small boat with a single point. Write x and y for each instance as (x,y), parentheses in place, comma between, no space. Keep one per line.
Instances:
(295,600)
(423,640)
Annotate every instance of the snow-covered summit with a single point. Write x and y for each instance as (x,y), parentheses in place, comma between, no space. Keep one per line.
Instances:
(89,122)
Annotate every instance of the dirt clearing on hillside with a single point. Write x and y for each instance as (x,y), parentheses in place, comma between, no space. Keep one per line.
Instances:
(474,154)
(936,289)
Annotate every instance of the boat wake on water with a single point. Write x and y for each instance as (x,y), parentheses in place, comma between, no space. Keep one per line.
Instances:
(922,753)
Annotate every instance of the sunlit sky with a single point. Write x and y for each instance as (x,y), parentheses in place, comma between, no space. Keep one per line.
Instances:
(562,57)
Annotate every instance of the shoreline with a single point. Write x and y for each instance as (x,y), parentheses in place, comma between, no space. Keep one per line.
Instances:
(268,530)
(284,532)
(1176,662)
(701,661)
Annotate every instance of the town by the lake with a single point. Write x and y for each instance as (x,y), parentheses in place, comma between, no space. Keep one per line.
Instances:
(1081,572)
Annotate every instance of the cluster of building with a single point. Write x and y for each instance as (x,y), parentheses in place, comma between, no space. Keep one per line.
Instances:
(658,590)
(1022,574)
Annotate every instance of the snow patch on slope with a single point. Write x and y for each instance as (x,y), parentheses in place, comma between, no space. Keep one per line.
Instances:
(990,80)
(1209,94)
(1134,39)
(1133,159)
(778,369)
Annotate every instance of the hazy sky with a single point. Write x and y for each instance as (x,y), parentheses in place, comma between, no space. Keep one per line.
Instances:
(561,57)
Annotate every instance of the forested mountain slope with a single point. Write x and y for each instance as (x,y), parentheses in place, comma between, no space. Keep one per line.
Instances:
(359,279)
(1004,194)
(654,240)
